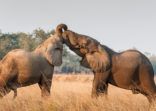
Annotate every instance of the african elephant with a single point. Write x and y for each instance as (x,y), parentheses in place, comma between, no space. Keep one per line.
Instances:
(129,69)
(21,68)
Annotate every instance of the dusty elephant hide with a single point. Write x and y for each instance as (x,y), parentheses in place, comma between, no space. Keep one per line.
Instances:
(129,69)
(22,68)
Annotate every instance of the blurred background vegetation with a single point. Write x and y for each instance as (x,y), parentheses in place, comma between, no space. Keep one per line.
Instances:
(29,41)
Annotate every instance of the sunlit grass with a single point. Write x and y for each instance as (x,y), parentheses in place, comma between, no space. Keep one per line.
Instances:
(73,93)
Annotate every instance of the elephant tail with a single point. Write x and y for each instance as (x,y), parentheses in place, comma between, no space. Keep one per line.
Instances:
(60,28)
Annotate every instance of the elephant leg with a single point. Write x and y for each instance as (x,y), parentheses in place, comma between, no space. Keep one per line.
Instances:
(150,93)
(135,88)
(14,89)
(100,84)
(13,86)
(135,91)
(102,88)
(94,86)
(3,91)
(152,100)
(45,86)
(15,93)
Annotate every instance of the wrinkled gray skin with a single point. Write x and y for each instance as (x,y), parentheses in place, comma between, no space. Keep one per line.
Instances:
(21,68)
(129,69)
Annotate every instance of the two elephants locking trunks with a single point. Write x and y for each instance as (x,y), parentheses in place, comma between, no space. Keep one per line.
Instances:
(129,69)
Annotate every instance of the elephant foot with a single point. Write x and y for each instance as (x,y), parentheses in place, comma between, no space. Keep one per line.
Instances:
(4,91)
(135,88)
(102,88)
(135,91)
(152,105)
(45,94)
(45,86)
(99,95)
(15,94)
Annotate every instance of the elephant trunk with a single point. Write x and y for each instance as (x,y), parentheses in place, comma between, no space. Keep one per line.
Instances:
(70,39)
(59,29)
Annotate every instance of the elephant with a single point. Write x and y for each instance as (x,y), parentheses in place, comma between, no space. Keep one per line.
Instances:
(21,68)
(129,69)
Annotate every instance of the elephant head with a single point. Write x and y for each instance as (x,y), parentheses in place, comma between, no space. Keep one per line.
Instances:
(80,42)
(93,55)
(52,48)
(53,51)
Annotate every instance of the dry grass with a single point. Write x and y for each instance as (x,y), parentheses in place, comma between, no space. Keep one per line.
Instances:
(72,93)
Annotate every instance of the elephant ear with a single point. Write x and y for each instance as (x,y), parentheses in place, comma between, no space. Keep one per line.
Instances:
(97,61)
(53,54)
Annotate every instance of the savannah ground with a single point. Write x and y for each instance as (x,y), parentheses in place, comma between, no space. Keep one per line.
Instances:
(73,93)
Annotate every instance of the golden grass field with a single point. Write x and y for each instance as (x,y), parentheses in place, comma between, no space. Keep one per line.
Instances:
(73,93)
